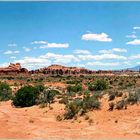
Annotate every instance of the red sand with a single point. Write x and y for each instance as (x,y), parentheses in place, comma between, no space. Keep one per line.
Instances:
(35,122)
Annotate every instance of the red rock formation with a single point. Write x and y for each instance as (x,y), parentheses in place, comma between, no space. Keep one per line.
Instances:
(63,70)
(13,68)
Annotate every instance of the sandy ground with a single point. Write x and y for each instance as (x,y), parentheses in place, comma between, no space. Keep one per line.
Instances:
(35,122)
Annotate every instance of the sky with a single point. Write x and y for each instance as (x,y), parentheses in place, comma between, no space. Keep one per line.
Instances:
(94,35)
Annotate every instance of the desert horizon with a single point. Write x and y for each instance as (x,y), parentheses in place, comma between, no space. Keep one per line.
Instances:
(70,70)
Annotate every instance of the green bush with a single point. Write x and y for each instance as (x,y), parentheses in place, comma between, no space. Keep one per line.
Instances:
(91,102)
(47,96)
(100,85)
(72,109)
(97,85)
(75,88)
(25,97)
(81,106)
(90,86)
(40,88)
(133,98)
(64,100)
(5,92)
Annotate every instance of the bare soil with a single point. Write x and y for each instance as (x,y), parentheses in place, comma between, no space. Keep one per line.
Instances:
(35,122)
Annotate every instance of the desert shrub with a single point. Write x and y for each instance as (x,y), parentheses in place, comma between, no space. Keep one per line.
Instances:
(40,88)
(97,95)
(81,106)
(111,106)
(64,100)
(87,92)
(111,95)
(47,96)
(75,88)
(100,85)
(72,109)
(90,86)
(90,103)
(5,92)
(73,82)
(72,94)
(133,98)
(25,96)
(119,94)
(120,105)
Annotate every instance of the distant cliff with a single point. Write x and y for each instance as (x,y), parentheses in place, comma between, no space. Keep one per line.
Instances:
(13,68)
(51,70)
(63,70)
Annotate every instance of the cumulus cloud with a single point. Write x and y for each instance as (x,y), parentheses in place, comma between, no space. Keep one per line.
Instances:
(55,45)
(136,27)
(105,51)
(98,63)
(12,45)
(47,59)
(131,36)
(33,62)
(113,50)
(60,58)
(103,37)
(101,57)
(134,42)
(39,42)
(26,49)
(135,56)
(119,50)
(11,52)
(78,51)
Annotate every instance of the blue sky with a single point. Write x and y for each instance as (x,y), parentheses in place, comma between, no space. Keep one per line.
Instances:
(95,35)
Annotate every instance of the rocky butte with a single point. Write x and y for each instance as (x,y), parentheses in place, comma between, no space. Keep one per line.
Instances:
(51,70)
(63,70)
(12,69)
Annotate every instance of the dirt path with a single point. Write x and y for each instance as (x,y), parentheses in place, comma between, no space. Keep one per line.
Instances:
(35,122)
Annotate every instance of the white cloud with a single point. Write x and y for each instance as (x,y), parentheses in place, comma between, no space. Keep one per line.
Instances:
(134,42)
(105,51)
(33,62)
(12,45)
(55,45)
(136,27)
(119,50)
(81,51)
(101,57)
(98,63)
(113,50)
(46,60)
(135,56)
(103,37)
(26,49)
(15,51)
(13,57)
(11,52)
(131,36)
(60,58)
(39,42)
